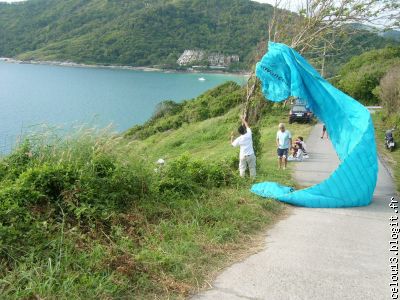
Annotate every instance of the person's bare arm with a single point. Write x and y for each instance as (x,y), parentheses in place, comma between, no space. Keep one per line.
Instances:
(244,122)
(232,137)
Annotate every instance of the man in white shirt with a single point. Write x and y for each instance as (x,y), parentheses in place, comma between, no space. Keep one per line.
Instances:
(284,143)
(247,157)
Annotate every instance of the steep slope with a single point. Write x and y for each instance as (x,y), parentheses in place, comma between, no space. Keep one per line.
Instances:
(90,216)
(392,34)
(129,32)
(145,32)
(361,75)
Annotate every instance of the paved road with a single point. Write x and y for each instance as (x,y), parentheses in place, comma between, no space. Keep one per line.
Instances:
(323,254)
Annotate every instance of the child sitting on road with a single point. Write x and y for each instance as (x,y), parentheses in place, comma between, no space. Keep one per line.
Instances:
(297,153)
(299,150)
(302,146)
(295,149)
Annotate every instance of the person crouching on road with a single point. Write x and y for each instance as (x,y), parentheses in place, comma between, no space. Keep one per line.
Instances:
(283,142)
(302,145)
(247,158)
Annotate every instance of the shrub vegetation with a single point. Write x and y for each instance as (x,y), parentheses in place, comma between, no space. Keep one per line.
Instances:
(170,115)
(92,216)
(361,76)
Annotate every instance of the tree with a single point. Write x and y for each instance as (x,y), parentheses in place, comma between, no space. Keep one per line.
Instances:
(166,108)
(389,90)
(323,27)
(319,22)
(362,74)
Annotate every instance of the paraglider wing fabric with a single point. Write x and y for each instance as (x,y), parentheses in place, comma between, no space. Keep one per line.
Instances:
(270,189)
(283,73)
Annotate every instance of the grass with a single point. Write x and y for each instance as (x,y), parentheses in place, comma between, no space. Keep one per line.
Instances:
(179,245)
(209,140)
(383,123)
(119,230)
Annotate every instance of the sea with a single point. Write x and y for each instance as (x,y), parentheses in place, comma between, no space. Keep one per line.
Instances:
(33,96)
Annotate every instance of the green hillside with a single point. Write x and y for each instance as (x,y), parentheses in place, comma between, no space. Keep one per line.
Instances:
(88,216)
(143,32)
(361,75)
(134,32)
(392,34)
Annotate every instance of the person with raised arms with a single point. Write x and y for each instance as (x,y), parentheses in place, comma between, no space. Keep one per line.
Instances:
(247,157)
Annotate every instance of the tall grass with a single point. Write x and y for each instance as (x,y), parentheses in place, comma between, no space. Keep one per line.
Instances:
(87,216)
(90,215)
(383,122)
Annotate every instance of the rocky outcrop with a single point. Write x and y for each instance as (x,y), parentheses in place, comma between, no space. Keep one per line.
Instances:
(191,57)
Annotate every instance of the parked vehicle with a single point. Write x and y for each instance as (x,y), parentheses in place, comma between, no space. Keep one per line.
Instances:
(389,140)
(300,113)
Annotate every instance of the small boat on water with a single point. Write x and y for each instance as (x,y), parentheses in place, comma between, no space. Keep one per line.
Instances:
(202,79)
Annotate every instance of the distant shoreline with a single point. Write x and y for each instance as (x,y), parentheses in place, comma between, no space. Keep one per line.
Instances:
(118,67)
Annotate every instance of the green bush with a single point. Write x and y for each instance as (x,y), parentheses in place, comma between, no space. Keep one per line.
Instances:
(361,76)
(166,108)
(170,115)
(83,181)
(186,176)
(80,179)
(16,163)
(47,183)
(20,229)
(389,90)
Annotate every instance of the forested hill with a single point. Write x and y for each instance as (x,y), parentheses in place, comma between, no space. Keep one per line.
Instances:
(136,32)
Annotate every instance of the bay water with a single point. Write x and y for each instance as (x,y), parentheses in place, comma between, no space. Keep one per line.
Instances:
(33,95)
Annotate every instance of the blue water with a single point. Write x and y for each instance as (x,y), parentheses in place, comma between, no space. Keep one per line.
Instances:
(63,96)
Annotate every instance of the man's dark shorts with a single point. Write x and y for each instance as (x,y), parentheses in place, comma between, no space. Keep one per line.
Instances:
(283,152)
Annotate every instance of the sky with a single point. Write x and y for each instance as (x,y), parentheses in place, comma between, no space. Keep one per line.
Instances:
(293,4)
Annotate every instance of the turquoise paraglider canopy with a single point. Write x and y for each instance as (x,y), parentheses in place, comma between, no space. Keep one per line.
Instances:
(284,73)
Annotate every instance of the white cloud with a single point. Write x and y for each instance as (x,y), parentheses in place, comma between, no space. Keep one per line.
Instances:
(293,5)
